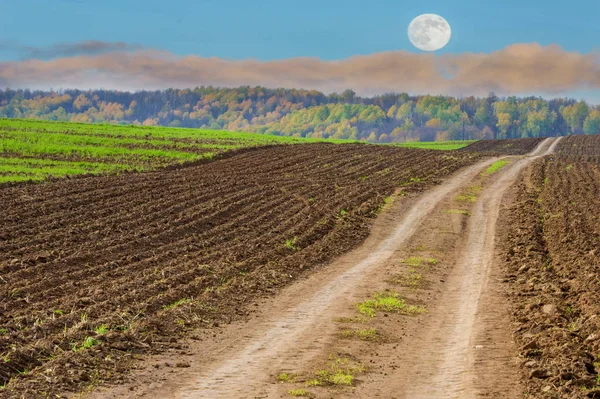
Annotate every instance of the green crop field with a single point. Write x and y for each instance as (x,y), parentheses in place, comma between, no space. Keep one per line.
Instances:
(32,150)
(437,145)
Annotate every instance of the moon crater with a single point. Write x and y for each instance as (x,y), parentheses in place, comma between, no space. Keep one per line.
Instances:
(429,32)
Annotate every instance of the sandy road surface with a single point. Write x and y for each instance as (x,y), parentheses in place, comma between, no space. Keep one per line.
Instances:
(295,328)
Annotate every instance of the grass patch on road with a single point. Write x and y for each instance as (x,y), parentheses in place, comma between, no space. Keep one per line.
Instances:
(340,372)
(417,261)
(495,167)
(387,302)
(287,377)
(470,194)
(300,393)
(458,212)
(411,279)
(355,319)
(369,334)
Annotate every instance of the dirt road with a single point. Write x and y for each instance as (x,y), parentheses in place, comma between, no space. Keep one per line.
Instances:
(434,357)
(454,376)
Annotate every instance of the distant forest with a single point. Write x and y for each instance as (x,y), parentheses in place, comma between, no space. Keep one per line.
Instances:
(309,113)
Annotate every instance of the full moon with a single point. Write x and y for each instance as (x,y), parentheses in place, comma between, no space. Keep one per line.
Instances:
(429,32)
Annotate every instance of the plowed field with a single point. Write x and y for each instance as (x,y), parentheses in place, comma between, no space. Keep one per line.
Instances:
(553,255)
(580,148)
(96,270)
(505,147)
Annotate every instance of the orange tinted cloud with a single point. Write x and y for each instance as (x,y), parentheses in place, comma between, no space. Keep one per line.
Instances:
(516,69)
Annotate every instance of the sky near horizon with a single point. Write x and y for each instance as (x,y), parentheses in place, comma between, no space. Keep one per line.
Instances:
(92,43)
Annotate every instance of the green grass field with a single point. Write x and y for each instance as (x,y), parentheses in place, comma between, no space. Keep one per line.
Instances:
(32,150)
(437,145)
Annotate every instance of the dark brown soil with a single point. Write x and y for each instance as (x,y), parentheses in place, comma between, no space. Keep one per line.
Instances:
(505,147)
(583,147)
(552,253)
(151,256)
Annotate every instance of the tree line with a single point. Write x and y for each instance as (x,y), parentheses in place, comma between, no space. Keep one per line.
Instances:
(309,113)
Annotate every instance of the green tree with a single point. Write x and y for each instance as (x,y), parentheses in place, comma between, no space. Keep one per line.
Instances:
(539,122)
(483,115)
(575,116)
(592,123)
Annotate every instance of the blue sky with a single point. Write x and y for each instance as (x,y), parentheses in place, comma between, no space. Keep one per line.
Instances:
(276,29)
(95,44)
